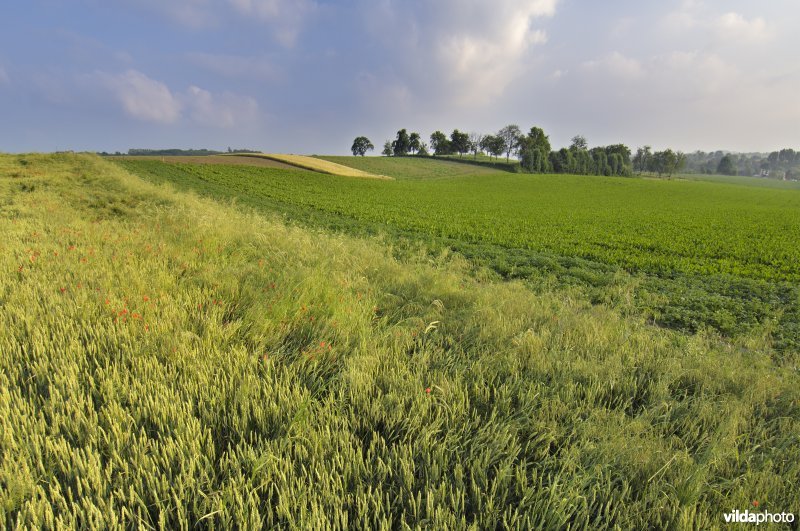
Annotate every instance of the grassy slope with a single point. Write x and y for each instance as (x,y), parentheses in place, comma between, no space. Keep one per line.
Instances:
(316,165)
(714,255)
(412,168)
(170,361)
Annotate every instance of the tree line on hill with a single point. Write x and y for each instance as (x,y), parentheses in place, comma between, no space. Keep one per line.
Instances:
(136,152)
(533,151)
(782,164)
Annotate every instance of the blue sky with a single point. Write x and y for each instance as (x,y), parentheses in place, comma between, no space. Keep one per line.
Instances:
(306,76)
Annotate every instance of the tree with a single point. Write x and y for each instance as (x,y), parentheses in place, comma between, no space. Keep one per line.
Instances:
(641,161)
(402,144)
(561,160)
(388,151)
(624,166)
(667,162)
(476,143)
(579,143)
(534,151)
(493,145)
(459,142)
(510,135)
(440,144)
(414,142)
(361,145)
(726,166)
(599,161)
(423,150)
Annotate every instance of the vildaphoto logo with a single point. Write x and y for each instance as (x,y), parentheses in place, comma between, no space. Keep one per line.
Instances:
(757,517)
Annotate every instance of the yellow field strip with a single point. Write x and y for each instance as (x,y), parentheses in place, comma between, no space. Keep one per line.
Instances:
(322,166)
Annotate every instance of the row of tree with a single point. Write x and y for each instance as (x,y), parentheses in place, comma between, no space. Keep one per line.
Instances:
(782,164)
(532,149)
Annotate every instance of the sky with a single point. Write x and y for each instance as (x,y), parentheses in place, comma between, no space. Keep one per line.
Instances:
(307,76)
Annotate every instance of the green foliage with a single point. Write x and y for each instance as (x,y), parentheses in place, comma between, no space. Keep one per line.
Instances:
(361,145)
(667,233)
(459,142)
(401,146)
(440,144)
(168,362)
(726,166)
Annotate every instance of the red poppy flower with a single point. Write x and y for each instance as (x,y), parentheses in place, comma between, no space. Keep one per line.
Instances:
(428,390)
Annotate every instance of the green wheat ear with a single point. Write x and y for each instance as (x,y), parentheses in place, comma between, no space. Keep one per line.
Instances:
(210,366)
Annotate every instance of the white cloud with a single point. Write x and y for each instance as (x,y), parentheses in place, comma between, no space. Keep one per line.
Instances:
(468,50)
(226,110)
(616,65)
(285,16)
(736,26)
(147,99)
(141,97)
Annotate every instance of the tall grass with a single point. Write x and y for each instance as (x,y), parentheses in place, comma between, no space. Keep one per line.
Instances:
(171,362)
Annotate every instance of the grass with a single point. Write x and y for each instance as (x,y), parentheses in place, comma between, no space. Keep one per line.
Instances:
(317,165)
(700,255)
(744,180)
(168,361)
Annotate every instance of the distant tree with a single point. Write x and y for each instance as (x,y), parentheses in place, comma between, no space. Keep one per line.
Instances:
(624,166)
(361,145)
(440,144)
(581,159)
(402,144)
(459,142)
(388,150)
(534,151)
(476,143)
(680,161)
(726,166)
(641,160)
(561,160)
(667,162)
(414,142)
(423,150)
(599,161)
(494,145)
(579,143)
(531,159)
(510,135)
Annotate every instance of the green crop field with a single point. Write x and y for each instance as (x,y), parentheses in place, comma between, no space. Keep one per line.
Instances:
(235,347)
(703,254)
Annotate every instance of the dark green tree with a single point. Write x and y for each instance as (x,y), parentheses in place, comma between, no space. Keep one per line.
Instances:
(534,151)
(402,144)
(459,142)
(388,151)
(726,166)
(599,161)
(561,160)
(361,145)
(440,144)
(414,142)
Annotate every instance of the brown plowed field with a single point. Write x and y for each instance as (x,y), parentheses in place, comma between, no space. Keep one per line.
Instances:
(215,159)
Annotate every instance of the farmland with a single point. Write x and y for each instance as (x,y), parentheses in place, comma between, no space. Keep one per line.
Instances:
(701,254)
(170,361)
